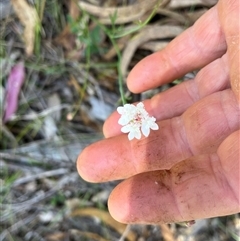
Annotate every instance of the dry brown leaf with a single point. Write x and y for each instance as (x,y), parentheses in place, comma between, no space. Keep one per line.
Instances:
(174,4)
(166,233)
(29,18)
(62,236)
(74,11)
(125,14)
(57,236)
(74,83)
(73,49)
(66,39)
(154,46)
(150,32)
(88,235)
(106,218)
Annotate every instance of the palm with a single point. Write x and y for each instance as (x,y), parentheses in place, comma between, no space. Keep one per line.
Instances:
(183,170)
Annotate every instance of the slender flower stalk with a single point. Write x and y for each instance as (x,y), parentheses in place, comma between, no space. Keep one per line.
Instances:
(136,121)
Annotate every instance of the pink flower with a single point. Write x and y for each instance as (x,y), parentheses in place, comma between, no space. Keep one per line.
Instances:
(14,84)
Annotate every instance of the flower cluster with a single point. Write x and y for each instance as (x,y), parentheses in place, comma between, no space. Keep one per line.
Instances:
(135,119)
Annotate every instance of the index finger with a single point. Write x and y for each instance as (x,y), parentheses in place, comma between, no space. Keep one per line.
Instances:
(196,47)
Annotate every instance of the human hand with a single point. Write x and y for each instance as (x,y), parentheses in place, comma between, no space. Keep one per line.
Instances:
(189,168)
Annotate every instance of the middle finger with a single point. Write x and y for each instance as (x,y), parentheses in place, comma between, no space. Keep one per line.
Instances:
(201,129)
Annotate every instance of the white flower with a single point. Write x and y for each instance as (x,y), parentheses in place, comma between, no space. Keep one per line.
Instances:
(135,119)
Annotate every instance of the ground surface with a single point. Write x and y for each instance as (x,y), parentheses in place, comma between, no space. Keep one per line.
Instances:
(66,62)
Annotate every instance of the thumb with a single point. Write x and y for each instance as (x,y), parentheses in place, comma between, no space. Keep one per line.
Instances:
(229,11)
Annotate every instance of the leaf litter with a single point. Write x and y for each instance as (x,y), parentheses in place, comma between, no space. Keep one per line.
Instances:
(67,74)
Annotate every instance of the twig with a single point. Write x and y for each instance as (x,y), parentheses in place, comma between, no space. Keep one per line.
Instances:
(24,206)
(125,233)
(124,14)
(23,159)
(174,4)
(34,115)
(10,209)
(51,173)
(17,225)
(166,232)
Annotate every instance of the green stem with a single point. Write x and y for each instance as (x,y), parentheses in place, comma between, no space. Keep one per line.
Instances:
(138,27)
(120,77)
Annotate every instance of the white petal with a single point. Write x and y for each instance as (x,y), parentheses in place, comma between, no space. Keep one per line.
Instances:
(128,108)
(140,105)
(123,120)
(154,126)
(137,134)
(120,110)
(130,136)
(145,130)
(126,129)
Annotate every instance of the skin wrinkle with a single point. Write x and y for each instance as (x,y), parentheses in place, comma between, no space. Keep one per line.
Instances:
(198,46)
(219,175)
(147,163)
(165,59)
(194,95)
(153,162)
(176,140)
(221,84)
(169,188)
(188,142)
(133,158)
(159,155)
(233,148)
(155,102)
(228,8)
(110,174)
(167,154)
(224,66)
(162,188)
(201,45)
(175,196)
(113,169)
(188,176)
(173,64)
(194,43)
(200,118)
(178,198)
(184,138)
(224,111)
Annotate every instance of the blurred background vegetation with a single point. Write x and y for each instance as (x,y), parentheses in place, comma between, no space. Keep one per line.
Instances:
(63,70)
